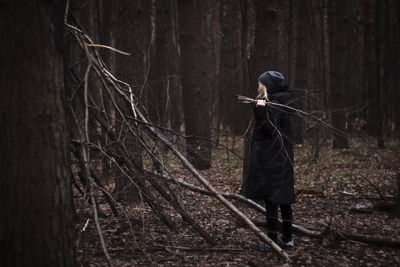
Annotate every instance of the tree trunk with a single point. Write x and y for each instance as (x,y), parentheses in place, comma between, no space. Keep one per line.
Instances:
(301,69)
(35,204)
(337,23)
(231,80)
(265,54)
(197,68)
(370,65)
(174,101)
(354,63)
(131,30)
(157,85)
(164,88)
(378,71)
(396,66)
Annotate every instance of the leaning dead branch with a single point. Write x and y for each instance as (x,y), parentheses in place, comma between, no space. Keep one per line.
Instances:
(366,239)
(200,190)
(86,169)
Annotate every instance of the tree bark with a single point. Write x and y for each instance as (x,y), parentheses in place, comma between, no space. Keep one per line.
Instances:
(164,88)
(395,66)
(378,72)
(231,80)
(266,43)
(370,64)
(337,23)
(300,84)
(131,30)
(174,105)
(157,85)
(197,68)
(35,196)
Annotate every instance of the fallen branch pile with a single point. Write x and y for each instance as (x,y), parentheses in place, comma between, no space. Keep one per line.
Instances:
(135,125)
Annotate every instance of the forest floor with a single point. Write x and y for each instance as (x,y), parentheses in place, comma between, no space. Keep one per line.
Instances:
(329,191)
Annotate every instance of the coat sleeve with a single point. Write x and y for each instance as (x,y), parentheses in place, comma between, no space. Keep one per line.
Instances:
(264,123)
(260,113)
(283,114)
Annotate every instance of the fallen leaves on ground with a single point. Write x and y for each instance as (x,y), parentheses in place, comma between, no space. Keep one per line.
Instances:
(329,189)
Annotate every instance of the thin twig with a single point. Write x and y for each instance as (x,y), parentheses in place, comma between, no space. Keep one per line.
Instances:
(103,244)
(109,47)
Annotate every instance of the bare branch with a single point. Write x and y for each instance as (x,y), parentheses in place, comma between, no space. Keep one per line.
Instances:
(109,47)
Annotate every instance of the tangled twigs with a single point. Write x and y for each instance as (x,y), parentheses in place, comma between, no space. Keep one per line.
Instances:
(169,197)
(144,133)
(299,113)
(96,180)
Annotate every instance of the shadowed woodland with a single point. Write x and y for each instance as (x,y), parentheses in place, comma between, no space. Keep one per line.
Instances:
(126,131)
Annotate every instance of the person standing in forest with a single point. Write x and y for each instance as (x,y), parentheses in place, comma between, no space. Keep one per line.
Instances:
(271,161)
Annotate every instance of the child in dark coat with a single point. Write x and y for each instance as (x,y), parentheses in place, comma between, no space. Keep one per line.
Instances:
(271,166)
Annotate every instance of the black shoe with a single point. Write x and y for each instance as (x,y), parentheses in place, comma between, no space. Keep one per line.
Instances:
(261,248)
(286,245)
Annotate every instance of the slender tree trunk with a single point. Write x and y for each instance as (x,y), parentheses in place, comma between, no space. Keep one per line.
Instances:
(245,117)
(174,87)
(197,67)
(386,68)
(291,32)
(396,66)
(353,63)
(326,59)
(370,65)
(231,80)
(105,37)
(301,68)
(337,19)
(265,54)
(158,80)
(131,30)
(35,204)
(215,28)
(378,71)
(247,39)
(314,16)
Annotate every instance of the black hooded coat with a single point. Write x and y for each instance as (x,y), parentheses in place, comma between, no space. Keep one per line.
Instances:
(271,159)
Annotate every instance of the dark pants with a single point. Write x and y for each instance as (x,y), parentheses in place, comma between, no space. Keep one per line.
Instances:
(272,221)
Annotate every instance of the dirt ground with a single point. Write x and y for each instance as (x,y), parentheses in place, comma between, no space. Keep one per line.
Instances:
(329,191)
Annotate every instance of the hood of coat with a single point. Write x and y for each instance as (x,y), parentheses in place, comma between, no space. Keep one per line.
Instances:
(283,88)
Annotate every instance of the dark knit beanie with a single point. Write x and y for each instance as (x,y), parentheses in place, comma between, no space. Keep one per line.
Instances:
(271,79)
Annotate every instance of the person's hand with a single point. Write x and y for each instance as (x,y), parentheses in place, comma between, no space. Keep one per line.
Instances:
(261,102)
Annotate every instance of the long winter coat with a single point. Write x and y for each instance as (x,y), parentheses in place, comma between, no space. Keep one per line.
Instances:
(271,159)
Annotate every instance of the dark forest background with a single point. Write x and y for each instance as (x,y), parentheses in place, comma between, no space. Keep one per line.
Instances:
(187,62)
